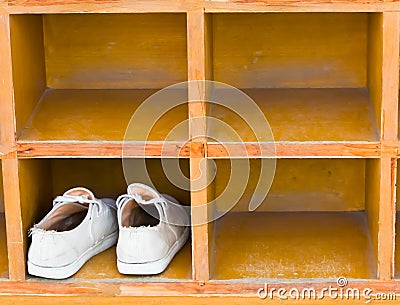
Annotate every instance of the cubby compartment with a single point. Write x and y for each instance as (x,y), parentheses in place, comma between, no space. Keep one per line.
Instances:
(3,238)
(81,77)
(315,76)
(318,221)
(43,179)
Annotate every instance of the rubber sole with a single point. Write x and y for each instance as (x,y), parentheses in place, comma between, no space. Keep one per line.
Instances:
(67,271)
(158,266)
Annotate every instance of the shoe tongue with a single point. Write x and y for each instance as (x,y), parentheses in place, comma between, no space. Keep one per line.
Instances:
(80,191)
(146,192)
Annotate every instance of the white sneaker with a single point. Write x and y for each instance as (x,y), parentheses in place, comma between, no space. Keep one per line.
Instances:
(77,228)
(148,243)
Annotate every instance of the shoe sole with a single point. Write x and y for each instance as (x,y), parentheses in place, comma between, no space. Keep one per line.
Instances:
(155,267)
(64,272)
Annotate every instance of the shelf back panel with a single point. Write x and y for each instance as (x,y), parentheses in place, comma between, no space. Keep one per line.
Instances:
(118,51)
(290,49)
(29,77)
(299,185)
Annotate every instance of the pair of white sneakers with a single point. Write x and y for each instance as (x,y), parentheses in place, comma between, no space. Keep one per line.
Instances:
(150,229)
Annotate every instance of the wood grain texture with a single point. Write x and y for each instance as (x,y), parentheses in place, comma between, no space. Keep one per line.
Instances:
(103,150)
(296,150)
(282,6)
(387,210)
(200,226)
(197,28)
(390,75)
(284,50)
(13,218)
(103,6)
(135,51)
(223,290)
(7,125)
(195,300)
(380,207)
(197,74)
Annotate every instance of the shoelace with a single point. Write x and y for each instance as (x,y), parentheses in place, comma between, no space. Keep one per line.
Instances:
(82,199)
(136,197)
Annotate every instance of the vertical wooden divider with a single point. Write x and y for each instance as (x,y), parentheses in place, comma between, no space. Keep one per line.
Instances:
(389,117)
(197,130)
(16,258)
(7,129)
(15,238)
(383,61)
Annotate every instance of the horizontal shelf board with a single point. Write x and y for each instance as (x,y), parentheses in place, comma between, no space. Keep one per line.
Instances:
(58,6)
(3,248)
(295,149)
(299,6)
(292,245)
(24,6)
(104,267)
(95,115)
(298,115)
(210,288)
(102,149)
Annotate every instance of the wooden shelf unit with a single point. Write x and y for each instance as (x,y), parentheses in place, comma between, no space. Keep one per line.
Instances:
(325,74)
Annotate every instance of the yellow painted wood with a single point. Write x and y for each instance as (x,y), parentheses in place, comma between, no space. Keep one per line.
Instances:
(28,64)
(104,266)
(292,245)
(105,177)
(36,193)
(115,50)
(96,115)
(301,185)
(397,188)
(1,191)
(304,115)
(3,248)
(372,201)
(397,244)
(375,63)
(290,50)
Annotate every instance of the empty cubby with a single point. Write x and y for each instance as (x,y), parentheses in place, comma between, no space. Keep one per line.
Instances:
(81,77)
(3,239)
(318,221)
(315,76)
(43,179)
